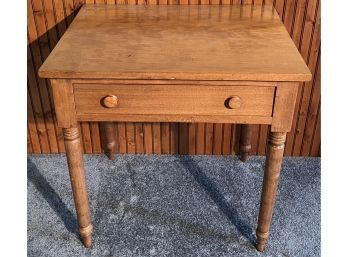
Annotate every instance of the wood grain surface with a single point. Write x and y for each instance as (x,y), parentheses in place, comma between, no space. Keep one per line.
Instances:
(177,42)
(48,21)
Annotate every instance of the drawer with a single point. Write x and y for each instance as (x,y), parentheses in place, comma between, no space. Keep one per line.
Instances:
(200,100)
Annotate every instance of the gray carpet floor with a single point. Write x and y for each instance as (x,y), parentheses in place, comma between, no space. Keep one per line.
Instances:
(172,206)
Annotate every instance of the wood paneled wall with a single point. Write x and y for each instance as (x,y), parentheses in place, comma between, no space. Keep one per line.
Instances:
(47,22)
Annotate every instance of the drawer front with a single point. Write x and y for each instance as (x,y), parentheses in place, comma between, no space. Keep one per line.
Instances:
(191,100)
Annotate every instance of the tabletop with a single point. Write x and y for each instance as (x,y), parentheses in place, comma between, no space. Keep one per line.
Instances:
(177,42)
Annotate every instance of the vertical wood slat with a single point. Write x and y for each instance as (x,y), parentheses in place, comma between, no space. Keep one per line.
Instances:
(279,6)
(38,50)
(52,35)
(156,133)
(130,137)
(48,21)
(121,139)
(297,36)
(32,128)
(312,117)
(174,148)
(183,138)
(95,134)
(200,139)
(192,138)
(86,137)
(289,15)
(209,137)
(68,10)
(165,138)
(313,25)
(254,139)
(298,21)
(235,139)
(262,141)
(59,16)
(139,138)
(42,54)
(315,147)
(148,145)
(226,140)
(36,107)
(29,147)
(217,139)
(292,145)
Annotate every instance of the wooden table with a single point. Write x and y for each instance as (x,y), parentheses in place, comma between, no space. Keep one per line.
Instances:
(222,64)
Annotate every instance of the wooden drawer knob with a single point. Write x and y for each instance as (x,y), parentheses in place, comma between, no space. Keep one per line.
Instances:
(110,101)
(234,102)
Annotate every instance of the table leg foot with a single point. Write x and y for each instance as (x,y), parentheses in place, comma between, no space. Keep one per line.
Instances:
(86,236)
(109,131)
(261,241)
(87,241)
(73,148)
(245,142)
(274,158)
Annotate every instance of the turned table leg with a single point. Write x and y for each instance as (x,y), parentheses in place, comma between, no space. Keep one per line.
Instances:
(73,150)
(244,143)
(109,131)
(274,157)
